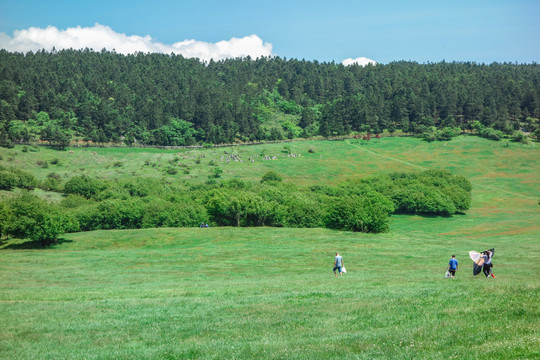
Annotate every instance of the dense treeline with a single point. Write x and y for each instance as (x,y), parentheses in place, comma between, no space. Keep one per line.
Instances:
(91,204)
(158,99)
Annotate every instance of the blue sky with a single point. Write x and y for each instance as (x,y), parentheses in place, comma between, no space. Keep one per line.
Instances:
(424,31)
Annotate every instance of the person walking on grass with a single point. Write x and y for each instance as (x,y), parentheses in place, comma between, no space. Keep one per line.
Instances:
(487,264)
(338,264)
(453,266)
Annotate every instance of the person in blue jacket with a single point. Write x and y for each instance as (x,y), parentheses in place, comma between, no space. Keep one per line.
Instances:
(453,266)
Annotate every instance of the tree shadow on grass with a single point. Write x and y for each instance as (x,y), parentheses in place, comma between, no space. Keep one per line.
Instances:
(434,216)
(32,245)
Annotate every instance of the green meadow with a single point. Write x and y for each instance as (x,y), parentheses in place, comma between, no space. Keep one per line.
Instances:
(269,293)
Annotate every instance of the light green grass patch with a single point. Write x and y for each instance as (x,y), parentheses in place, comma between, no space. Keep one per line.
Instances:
(270,293)
(224,293)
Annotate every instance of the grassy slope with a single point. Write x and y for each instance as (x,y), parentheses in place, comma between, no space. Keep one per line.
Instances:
(268,293)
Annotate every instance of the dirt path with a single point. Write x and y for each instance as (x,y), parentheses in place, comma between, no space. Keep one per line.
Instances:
(386,157)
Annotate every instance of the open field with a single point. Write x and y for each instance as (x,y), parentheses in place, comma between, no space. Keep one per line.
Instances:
(224,293)
(485,162)
(267,293)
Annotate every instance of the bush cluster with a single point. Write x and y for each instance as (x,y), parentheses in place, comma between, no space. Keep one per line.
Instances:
(11,177)
(431,192)
(444,134)
(363,205)
(355,206)
(27,216)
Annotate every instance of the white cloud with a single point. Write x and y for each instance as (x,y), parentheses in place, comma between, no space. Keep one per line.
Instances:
(362,61)
(101,36)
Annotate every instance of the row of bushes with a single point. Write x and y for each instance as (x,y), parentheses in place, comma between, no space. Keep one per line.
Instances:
(447,133)
(363,205)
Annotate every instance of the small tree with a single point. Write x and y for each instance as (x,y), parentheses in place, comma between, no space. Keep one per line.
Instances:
(216,173)
(48,227)
(228,208)
(31,217)
(271,176)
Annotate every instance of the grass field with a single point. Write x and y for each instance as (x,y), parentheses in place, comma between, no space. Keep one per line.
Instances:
(223,293)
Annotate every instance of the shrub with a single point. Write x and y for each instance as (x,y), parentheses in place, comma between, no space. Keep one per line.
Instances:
(444,134)
(114,192)
(460,198)
(433,201)
(75,201)
(236,208)
(6,214)
(87,216)
(300,210)
(429,136)
(235,184)
(158,213)
(433,192)
(119,214)
(42,163)
(83,185)
(25,180)
(492,134)
(519,136)
(51,184)
(216,173)
(139,187)
(31,217)
(271,176)
(7,180)
(49,226)
(357,214)
(55,176)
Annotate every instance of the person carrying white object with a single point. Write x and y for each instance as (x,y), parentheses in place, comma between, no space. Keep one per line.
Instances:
(338,264)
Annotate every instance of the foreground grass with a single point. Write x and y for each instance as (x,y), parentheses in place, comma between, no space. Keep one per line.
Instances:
(266,293)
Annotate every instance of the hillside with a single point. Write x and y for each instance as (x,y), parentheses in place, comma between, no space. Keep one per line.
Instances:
(155,188)
(153,99)
(228,292)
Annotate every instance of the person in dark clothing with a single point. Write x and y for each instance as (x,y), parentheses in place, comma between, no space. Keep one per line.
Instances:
(487,263)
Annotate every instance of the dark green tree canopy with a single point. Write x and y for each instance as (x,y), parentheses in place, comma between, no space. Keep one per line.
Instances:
(159,99)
